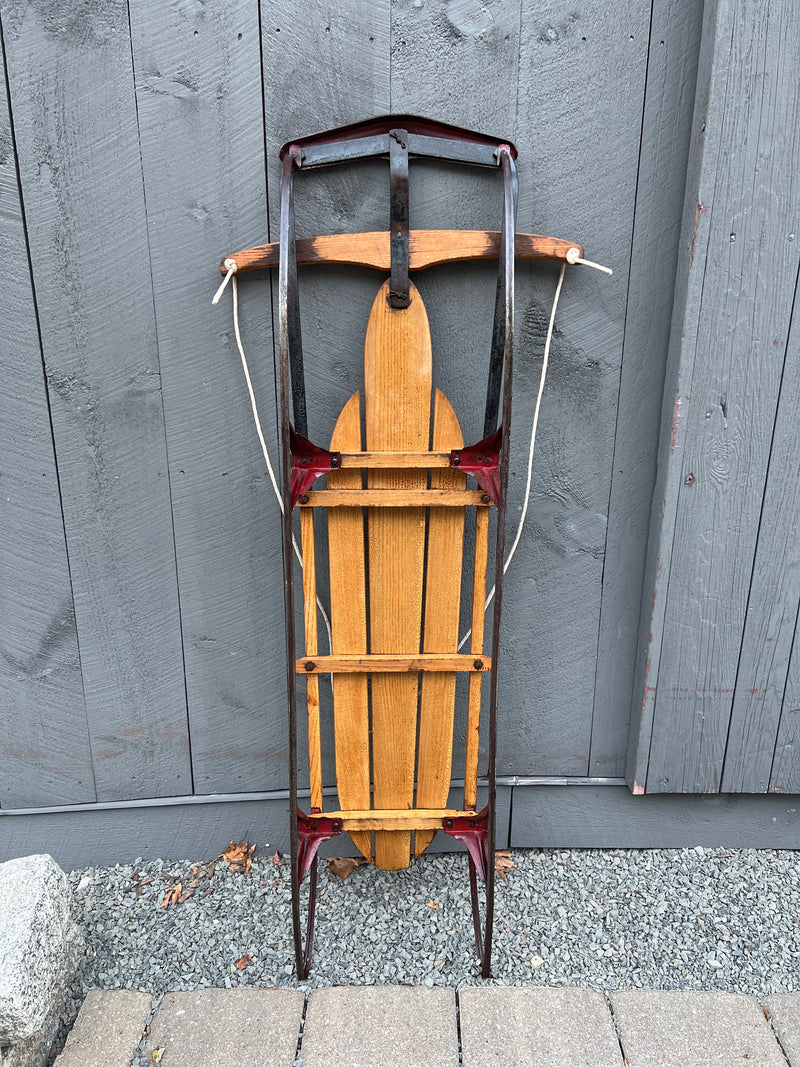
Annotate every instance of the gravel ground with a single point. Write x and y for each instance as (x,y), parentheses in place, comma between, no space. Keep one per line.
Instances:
(601,919)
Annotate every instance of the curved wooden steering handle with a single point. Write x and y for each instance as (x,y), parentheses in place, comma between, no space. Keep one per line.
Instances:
(427,248)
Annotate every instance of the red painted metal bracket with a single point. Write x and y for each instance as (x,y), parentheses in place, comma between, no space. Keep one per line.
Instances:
(311,834)
(473,832)
(308,463)
(482,461)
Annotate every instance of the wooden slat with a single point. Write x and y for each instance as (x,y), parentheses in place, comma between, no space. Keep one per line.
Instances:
(348,592)
(382,498)
(428,662)
(427,248)
(420,819)
(312,681)
(45,749)
(476,644)
(395,459)
(440,632)
(87,228)
(397,391)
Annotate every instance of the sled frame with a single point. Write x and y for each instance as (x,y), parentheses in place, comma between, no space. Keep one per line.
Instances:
(396,138)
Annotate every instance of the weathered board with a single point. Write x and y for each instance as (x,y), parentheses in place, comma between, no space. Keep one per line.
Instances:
(198,79)
(722,389)
(45,756)
(77,138)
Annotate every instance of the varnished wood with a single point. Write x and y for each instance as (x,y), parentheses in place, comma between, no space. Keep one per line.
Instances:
(395,459)
(312,683)
(476,644)
(398,819)
(348,593)
(442,602)
(427,248)
(397,391)
(393,498)
(430,662)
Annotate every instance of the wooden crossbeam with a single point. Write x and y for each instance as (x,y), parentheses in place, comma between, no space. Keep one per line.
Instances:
(312,664)
(427,248)
(395,818)
(395,498)
(394,459)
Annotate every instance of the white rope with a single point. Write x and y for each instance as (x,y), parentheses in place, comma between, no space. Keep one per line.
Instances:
(531,447)
(235,294)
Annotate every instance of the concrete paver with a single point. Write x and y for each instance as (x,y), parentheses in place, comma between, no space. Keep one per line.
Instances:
(108,1029)
(784,1011)
(380,1026)
(503,1025)
(230,1027)
(694,1028)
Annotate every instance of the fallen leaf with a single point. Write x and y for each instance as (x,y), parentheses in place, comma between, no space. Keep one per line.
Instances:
(172,895)
(276,859)
(185,896)
(431,904)
(194,883)
(207,893)
(503,862)
(242,962)
(239,856)
(157,1054)
(344,865)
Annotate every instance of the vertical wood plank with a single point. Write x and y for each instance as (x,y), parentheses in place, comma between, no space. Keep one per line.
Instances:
(785,771)
(348,599)
(673,47)
(312,681)
(762,704)
(198,90)
(476,646)
(443,560)
(722,390)
(397,402)
(75,118)
(45,755)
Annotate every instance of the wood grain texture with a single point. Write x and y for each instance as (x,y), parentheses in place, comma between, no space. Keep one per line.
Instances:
(762,719)
(432,662)
(198,93)
(426,248)
(81,181)
(348,600)
(45,754)
(397,400)
(674,42)
(785,771)
(723,388)
(392,497)
(443,563)
(312,680)
(476,646)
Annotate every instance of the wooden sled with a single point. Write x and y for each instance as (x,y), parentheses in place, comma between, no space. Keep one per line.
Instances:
(402,497)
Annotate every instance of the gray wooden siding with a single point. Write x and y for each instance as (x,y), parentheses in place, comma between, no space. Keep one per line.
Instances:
(141,631)
(715,712)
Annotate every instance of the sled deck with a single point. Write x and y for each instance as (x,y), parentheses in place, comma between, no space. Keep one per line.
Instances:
(401,499)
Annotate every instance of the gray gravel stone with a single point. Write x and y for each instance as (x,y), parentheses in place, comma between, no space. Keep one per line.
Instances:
(108,1029)
(222,1028)
(694,1029)
(40,948)
(537,1026)
(784,1012)
(400,1026)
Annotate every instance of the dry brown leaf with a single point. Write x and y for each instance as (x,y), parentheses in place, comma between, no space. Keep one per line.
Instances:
(242,962)
(194,883)
(172,895)
(343,865)
(433,905)
(239,856)
(503,862)
(277,860)
(207,893)
(185,896)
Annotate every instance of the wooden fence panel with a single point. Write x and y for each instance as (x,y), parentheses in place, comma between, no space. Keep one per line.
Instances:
(666,131)
(198,88)
(45,757)
(75,120)
(737,285)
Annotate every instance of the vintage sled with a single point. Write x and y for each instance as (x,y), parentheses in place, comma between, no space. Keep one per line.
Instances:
(395,510)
